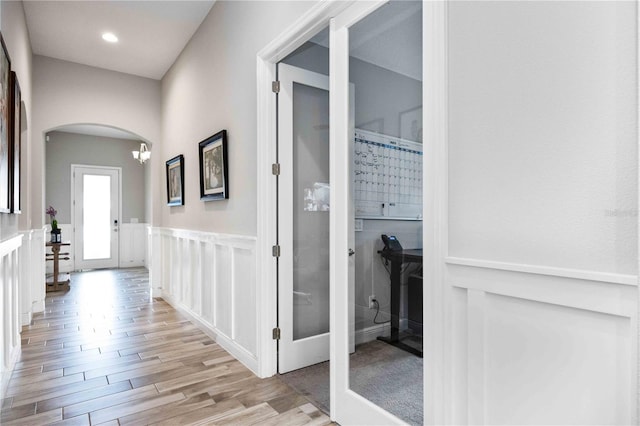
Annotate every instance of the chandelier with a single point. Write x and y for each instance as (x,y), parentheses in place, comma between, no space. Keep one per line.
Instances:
(143,155)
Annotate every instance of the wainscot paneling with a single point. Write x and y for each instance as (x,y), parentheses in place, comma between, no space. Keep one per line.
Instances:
(32,274)
(525,339)
(211,278)
(10,285)
(133,244)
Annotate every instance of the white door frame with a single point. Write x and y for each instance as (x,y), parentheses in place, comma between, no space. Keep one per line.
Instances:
(434,78)
(312,22)
(73,213)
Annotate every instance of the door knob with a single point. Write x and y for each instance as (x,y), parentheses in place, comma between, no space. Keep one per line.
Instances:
(351,252)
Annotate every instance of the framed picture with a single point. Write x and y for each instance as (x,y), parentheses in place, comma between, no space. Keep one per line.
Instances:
(5,129)
(411,124)
(214,173)
(15,143)
(175,181)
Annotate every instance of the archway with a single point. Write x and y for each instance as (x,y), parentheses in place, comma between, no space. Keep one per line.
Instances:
(99,146)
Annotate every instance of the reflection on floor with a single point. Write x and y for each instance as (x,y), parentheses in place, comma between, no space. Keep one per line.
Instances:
(106,352)
(385,375)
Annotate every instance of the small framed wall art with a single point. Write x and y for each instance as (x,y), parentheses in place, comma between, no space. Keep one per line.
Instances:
(175,181)
(214,167)
(15,145)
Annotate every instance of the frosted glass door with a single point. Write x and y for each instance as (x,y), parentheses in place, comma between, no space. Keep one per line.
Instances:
(96,216)
(310,211)
(304,218)
(96,208)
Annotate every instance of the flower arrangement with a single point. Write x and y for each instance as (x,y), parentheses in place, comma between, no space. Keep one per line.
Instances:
(52,215)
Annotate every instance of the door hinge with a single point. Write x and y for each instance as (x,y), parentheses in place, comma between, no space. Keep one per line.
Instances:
(275,86)
(275,169)
(275,251)
(276,333)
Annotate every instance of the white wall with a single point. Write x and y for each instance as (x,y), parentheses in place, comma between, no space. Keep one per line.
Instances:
(68,93)
(542,123)
(212,86)
(541,267)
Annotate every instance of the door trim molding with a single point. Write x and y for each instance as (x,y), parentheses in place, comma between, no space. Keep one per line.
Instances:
(72,199)
(436,297)
(308,25)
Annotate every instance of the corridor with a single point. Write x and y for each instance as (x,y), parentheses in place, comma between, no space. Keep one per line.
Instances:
(105,352)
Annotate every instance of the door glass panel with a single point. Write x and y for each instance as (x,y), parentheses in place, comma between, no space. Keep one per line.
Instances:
(310,211)
(97,217)
(385,66)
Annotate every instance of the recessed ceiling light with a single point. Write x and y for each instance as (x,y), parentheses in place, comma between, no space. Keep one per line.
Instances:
(110,37)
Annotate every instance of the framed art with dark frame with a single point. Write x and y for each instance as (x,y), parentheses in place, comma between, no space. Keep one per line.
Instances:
(214,173)
(15,143)
(175,181)
(5,129)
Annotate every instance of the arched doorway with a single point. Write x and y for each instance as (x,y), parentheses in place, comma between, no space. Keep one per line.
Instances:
(98,154)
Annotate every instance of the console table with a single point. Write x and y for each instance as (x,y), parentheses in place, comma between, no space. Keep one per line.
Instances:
(58,281)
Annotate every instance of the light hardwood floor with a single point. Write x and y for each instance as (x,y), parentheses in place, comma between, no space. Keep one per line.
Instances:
(106,353)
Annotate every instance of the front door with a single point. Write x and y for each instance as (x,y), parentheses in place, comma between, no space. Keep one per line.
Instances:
(96,208)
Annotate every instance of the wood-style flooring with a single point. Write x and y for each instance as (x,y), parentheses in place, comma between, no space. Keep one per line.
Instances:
(107,353)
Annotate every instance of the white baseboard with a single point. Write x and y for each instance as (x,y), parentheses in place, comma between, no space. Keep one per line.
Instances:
(26,318)
(225,342)
(369,334)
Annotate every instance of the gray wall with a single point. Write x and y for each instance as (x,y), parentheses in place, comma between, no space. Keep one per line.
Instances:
(381,94)
(64,149)
(16,38)
(68,93)
(212,86)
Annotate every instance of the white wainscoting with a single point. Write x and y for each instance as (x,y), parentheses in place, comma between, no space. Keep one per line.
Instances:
(133,244)
(539,348)
(211,278)
(32,274)
(10,303)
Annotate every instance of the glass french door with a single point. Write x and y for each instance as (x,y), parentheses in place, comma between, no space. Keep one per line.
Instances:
(303,296)
(371,40)
(96,207)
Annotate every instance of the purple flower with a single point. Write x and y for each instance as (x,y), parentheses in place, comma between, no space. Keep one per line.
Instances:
(51,212)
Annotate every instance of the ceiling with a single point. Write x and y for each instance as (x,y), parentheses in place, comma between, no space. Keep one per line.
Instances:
(390,38)
(151,33)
